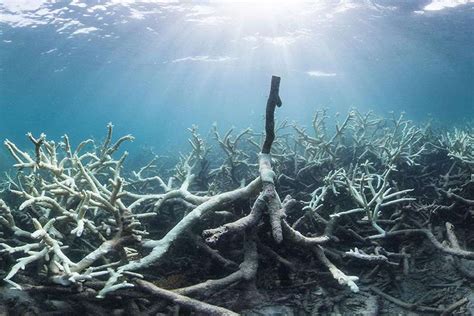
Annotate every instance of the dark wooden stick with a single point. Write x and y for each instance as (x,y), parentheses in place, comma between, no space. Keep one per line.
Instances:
(272,102)
(267,174)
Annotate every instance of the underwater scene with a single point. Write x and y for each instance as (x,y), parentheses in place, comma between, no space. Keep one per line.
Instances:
(220,157)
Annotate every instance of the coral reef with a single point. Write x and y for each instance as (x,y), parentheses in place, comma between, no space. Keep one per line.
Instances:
(363,200)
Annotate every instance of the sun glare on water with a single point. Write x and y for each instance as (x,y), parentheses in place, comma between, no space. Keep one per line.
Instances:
(261,9)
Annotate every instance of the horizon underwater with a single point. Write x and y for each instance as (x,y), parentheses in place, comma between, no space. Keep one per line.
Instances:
(219,157)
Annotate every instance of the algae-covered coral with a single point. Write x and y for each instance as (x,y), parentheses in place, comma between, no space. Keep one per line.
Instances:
(358,199)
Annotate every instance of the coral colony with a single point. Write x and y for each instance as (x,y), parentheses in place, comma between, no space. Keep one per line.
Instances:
(79,224)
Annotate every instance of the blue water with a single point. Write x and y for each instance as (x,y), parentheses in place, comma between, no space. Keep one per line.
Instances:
(155,68)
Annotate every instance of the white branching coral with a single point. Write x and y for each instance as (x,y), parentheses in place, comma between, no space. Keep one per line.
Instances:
(391,142)
(68,192)
(372,193)
(460,145)
(81,215)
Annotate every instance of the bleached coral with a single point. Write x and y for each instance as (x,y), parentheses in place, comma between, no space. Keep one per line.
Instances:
(83,216)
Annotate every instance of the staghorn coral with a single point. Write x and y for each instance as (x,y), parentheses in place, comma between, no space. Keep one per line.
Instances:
(349,192)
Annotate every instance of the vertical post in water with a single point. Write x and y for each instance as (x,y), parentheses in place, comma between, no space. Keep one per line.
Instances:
(272,102)
(265,163)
